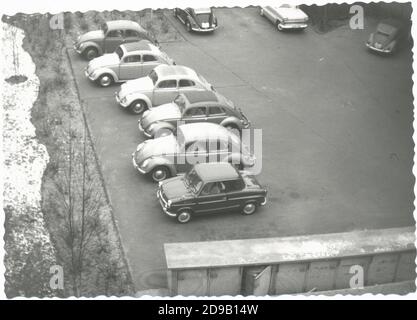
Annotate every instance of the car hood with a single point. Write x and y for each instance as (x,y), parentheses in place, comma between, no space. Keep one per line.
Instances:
(106,60)
(176,189)
(91,35)
(156,147)
(143,84)
(161,113)
(382,39)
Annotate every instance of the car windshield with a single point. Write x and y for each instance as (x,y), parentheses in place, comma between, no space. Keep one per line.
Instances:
(119,52)
(154,76)
(104,27)
(193,181)
(180,102)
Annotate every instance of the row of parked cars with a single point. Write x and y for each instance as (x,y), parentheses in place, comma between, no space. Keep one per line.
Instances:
(194,151)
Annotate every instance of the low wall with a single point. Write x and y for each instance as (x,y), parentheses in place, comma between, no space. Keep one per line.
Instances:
(290,264)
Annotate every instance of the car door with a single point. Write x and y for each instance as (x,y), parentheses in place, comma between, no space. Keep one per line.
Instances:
(233,189)
(130,67)
(112,40)
(195,114)
(215,114)
(149,62)
(165,91)
(212,198)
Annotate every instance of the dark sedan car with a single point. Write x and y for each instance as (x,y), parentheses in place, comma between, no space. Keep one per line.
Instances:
(388,37)
(210,188)
(191,107)
(197,19)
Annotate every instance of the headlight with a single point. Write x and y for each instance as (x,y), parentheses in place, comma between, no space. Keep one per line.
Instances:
(123,100)
(169,202)
(81,46)
(144,163)
(151,127)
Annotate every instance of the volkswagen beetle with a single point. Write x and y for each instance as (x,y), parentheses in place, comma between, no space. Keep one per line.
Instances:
(129,61)
(112,34)
(198,19)
(192,107)
(170,155)
(210,188)
(160,86)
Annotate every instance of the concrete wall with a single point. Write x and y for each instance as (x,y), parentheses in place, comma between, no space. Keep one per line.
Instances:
(290,265)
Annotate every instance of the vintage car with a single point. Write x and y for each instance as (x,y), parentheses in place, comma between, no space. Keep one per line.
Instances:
(285,17)
(160,86)
(210,188)
(197,19)
(170,155)
(112,34)
(191,107)
(129,61)
(389,35)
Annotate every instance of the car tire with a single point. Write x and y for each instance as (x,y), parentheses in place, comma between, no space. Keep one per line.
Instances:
(184,216)
(249,208)
(188,26)
(105,80)
(160,173)
(138,106)
(90,53)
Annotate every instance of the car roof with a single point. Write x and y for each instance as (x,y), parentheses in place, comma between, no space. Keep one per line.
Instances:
(143,45)
(204,131)
(123,24)
(216,171)
(176,70)
(201,96)
(389,25)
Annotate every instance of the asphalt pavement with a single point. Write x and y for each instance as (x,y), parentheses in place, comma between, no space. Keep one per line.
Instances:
(337,136)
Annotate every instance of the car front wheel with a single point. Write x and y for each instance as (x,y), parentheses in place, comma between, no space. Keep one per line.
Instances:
(105,80)
(90,53)
(184,216)
(249,208)
(160,173)
(138,106)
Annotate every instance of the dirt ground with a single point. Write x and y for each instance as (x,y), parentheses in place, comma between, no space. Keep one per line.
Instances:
(74,202)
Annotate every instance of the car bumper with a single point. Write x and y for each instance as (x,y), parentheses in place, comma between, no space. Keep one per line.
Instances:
(89,76)
(293,25)
(119,101)
(77,49)
(164,208)
(198,29)
(146,133)
(136,166)
(370,46)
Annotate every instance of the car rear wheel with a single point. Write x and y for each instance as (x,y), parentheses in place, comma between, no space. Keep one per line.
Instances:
(188,25)
(160,173)
(105,80)
(90,53)
(184,216)
(249,208)
(138,106)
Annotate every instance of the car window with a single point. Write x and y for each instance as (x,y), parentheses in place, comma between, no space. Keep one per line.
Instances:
(215,110)
(213,188)
(132,59)
(168,84)
(131,33)
(233,185)
(195,112)
(187,83)
(115,34)
(149,57)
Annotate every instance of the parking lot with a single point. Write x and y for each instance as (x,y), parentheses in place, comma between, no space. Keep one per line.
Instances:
(337,136)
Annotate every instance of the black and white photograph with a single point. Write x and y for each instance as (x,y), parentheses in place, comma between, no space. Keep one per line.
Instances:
(207,149)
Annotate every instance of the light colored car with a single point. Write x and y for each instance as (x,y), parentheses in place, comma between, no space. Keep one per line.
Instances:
(285,17)
(129,61)
(170,155)
(160,86)
(111,35)
(192,107)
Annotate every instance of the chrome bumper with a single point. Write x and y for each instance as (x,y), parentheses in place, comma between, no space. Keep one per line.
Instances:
(293,25)
(118,100)
(377,49)
(89,75)
(163,205)
(136,166)
(198,29)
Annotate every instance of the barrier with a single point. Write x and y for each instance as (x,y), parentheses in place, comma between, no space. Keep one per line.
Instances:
(290,265)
